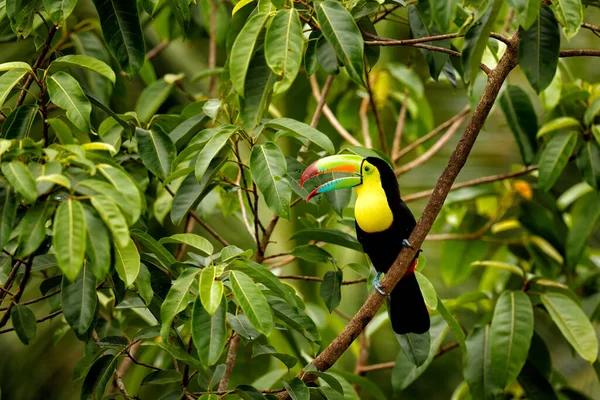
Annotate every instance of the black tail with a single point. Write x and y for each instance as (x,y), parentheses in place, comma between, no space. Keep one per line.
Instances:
(408,312)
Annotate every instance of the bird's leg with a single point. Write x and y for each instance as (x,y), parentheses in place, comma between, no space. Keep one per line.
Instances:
(377,286)
(406,243)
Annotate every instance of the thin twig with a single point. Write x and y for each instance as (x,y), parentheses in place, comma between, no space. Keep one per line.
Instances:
(364,122)
(15,299)
(141,364)
(392,364)
(590,27)
(329,114)
(399,129)
(231,356)
(432,150)
(36,300)
(210,230)
(316,279)
(380,131)
(156,50)
(580,53)
(322,102)
(47,317)
(243,207)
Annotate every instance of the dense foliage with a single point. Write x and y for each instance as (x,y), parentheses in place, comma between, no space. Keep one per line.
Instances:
(103,205)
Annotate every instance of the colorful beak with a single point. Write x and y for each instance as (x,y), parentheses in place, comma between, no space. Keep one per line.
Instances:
(341,163)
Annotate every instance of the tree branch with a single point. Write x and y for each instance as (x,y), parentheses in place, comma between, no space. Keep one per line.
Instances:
(231,356)
(399,129)
(591,27)
(392,364)
(316,279)
(364,122)
(208,229)
(580,53)
(15,299)
(322,98)
(380,131)
(457,160)
(47,317)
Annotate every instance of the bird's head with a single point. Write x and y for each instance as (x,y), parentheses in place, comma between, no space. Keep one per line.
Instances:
(363,170)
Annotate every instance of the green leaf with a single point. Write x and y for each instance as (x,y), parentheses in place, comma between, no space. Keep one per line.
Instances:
(477,366)
(435,60)
(526,11)
(311,253)
(331,289)
(261,349)
(87,62)
(455,326)
(302,130)
(585,216)
(510,336)
(456,256)
(19,122)
(592,111)
(182,13)
(570,15)
(557,124)
(211,149)
(444,13)
(156,149)
(555,157)
(211,289)
(500,265)
(69,237)
(283,47)
(243,49)
(34,226)
(476,40)
(252,302)
(151,98)
(98,376)
(127,262)
(192,240)
(408,77)
(66,93)
(209,331)
(259,90)
(183,132)
(415,347)
(24,322)
(8,66)
(79,300)
(588,161)
(239,5)
(329,236)
(113,218)
(295,318)
(326,56)
(163,377)
(122,32)
(522,120)
(21,15)
(143,285)
(20,178)
(573,324)
(8,81)
(177,299)
(8,212)
(269,169)
(539,48)
(242,326)
(340,30)
(297,389)
(59,10)
(261,274)
(128,187)
(428,291)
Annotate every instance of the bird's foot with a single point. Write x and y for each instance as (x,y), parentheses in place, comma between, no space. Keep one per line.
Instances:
(377,286)
(406,243)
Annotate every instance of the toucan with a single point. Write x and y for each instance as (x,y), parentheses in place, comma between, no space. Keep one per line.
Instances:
(383,225)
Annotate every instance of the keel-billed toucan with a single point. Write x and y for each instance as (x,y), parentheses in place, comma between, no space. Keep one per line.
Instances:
(383,226)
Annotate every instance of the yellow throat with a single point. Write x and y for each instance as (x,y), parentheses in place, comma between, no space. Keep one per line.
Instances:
(372,212)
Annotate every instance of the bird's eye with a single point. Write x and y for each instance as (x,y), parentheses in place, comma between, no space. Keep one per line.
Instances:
(367,168)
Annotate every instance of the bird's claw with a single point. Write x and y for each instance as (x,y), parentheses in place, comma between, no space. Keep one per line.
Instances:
(406,243)
(377,286)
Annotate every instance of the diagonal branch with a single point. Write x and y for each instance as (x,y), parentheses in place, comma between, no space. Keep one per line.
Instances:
(457,160)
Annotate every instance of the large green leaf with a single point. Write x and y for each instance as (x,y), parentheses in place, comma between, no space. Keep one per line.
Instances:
(331,289)
(329,236)
(211,289)
(151,245)
(19,122)
(127,262)
(269,169)
(435,60)
(211,149)
(539,48)
(69,237)
(21,179)
(585,216)
(283,47)
(124,183)
(444,13)
(33,226)
(588,161)
(177,299)
(260,349)
(555,157)
(262,275)
(182,13)
(243,49)
(340,30)
(79,300)
(591,112)
(8,212)
(570,15)
(526,11)
(8,81)
(97,243)
(112,217)
(510,336)
(478,365)
(196,241)
(297,389)
(87,62)
(573,324)
(476,40)
(295,318)
(122,32)
(59,10)
(98,376)
(209,331)
(24,322)
(66,93)
(152,97)
(252,302)
(415,347)
(300,129)
(457,255)
(21,15)
(156,149)
(259,91)
(558,124)
(522,119)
